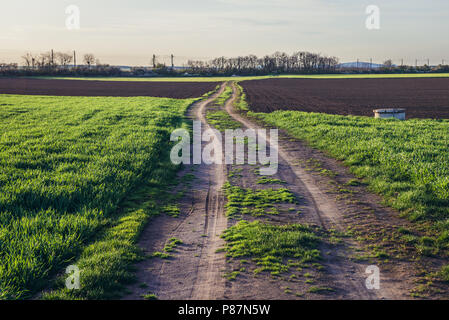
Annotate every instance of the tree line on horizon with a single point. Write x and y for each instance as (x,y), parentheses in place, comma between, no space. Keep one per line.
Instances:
(279,62)
(302,62)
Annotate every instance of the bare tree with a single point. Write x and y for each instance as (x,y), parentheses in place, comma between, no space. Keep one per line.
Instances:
(29,59)
(44,60)
(64,58)
(89,59)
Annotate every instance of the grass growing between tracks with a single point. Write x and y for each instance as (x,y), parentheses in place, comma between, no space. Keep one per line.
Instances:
(270,246)
(227,94)
(220,119)
(255,202)
(66,165)
(405,161)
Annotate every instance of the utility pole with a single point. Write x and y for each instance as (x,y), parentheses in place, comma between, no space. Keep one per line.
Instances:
(428,62)
(154,61)
(74,58)
(416,63)
(52,58)
(172,63)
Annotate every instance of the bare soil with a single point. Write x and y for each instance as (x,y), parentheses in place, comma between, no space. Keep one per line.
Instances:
(92,88)
(422,98)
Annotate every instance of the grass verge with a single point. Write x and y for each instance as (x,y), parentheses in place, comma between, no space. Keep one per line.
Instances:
(404,161)
(240,103)
(66,165)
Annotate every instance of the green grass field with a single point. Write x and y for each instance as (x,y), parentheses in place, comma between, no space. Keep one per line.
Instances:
(67,163)
(239,78)
(405,161)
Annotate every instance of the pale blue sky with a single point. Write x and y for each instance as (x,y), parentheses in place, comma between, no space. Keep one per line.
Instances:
(129,32)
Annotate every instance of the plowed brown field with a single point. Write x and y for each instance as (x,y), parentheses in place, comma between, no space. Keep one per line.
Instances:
(422,98)
(178,90)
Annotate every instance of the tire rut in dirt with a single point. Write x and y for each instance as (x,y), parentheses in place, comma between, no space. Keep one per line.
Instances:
(194,270)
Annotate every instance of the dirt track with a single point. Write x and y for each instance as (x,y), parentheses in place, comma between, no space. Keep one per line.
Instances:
(195,273)
(423,98)
(177,90)
(197,270)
